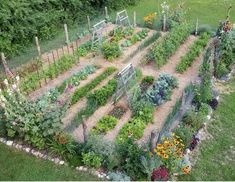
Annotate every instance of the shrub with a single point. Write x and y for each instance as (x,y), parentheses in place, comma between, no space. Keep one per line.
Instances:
(104,125)
(221,70)
(33,122)
(83,91)
(111,50)
(91,159)
(130,159)
(193,120)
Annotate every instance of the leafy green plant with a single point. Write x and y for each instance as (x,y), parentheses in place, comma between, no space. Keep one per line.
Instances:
(104,125)
(148,80)
(185,134)
(193,119)
(101,96)
(96,99)
(91,159)
(83,91)
(111,50)
(63,145)
(193,53)
(31,121)
(161,51)
(162,89)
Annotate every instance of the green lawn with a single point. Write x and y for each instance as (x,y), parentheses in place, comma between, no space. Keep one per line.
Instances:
(20,166)
(207,11)
(217,156)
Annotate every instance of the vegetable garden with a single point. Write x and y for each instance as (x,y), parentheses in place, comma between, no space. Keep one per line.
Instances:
(64,103)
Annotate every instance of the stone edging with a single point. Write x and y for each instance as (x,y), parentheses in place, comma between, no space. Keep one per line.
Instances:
(56,161)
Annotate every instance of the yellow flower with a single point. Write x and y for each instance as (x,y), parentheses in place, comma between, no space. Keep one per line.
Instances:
(158,153)
(159,146)
(165,156)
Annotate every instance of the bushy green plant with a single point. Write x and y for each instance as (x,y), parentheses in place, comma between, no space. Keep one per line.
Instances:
(104,125)
(185,134)
(91,159)
(148,80)
(221,70)
(130,159)
(101,96)
(63,145)
(161,51)
(83,91)
(193,119)
(33,122)
(161,90)
(193,53)
(111,50)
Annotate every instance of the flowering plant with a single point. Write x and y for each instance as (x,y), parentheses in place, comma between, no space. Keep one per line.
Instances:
(171,154)
(149,19)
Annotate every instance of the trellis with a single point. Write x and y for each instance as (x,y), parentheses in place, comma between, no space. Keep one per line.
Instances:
(124,79)
(122,18)
(97,33)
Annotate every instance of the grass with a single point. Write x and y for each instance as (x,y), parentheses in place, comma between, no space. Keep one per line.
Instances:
(20,166)
(216,160)
(207,11)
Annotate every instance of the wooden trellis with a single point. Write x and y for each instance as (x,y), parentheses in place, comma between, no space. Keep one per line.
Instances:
(122,18)
(124,79)
(97,32)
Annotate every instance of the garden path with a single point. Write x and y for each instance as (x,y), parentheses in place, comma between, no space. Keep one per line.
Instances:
(191,75)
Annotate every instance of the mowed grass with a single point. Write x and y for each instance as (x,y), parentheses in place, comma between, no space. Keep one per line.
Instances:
(207,11)
(15,165)
(216,160)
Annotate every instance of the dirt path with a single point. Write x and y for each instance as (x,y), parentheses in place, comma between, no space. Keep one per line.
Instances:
(100,112)
(150,70)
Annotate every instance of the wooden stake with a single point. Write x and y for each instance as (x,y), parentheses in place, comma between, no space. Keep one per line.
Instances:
(38,47)
(66,34)
(68,48)
(164,22)
(6,68)
(89,23)
(63,50)
(84,127)
(153,140)
(38,72)
(134,19)
(106,13)
(196,32)
(57,51)
(54,62)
